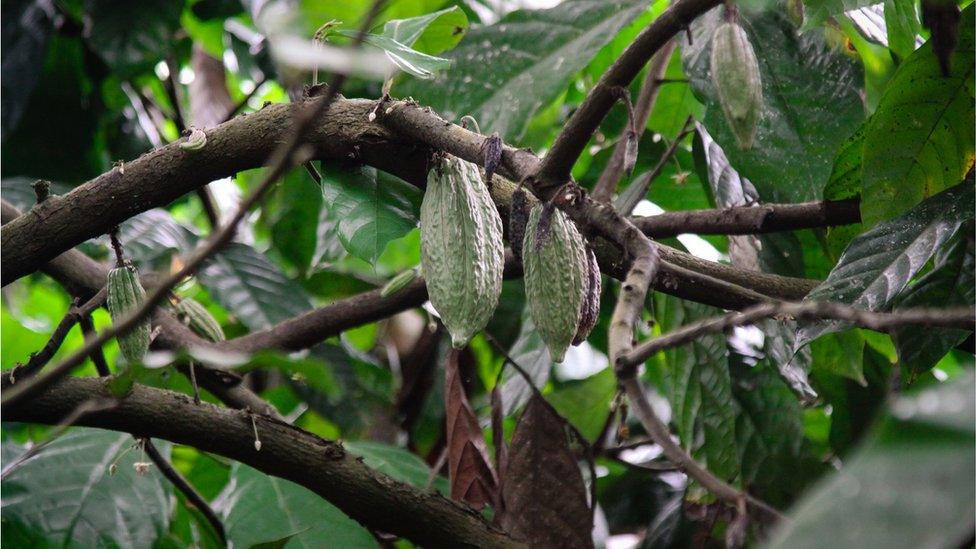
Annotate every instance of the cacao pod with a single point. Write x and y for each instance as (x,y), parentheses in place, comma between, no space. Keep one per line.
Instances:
(735,74)
(199,319)
(590,311)
(125,294)
(461,249)
(556,277)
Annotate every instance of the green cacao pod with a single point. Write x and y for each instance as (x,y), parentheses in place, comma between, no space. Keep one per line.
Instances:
(199,319)
(590,310)
(125,294)
(735,74)
(556,277)
(461,251)
(398,282)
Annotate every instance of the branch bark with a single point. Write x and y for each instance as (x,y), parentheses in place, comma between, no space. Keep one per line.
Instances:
(376,501)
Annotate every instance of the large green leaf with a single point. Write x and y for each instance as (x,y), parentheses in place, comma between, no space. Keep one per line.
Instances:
(152,237)
(901,22)
(910,485)
(65,497)
(505,73)
(816,12)
(253,288)
(811,104)
(878,264)
(699,388)
(397,463)
(132,36)
(431,33)
(258,508)
(532,355)
(372,208)
(293,216)
(951,283)
(920,140)
(585,403)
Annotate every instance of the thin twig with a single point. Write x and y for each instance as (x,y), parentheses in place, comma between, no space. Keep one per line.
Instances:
(98,357)
(243,102)
(958,317)
(642,186)
(607,184)
(192,496)
(38,360)
(281,160)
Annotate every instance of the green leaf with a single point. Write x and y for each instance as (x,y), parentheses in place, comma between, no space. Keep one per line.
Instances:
(903,27)
(585,403)
(811,97)
(65,497)
(505,73)
(878,264)
(315,373)
(950,283)
(403,57)
(293,216)
(845,176)
(816,12)
(910,485)
(699,389)
(251,287)
(920,141)
(258,508)
(432,33)
(152,237)
(397,463)
(840,354)
(372,207)
(132,36)
(532,355)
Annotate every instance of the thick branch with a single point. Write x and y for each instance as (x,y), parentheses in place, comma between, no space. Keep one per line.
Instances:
(376,501)
(764,218)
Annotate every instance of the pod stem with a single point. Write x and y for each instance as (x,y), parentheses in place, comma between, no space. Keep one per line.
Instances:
(468,119)
(117,246)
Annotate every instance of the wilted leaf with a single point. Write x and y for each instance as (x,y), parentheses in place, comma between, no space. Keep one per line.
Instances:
(404,57)
(472,478)
(431,33)
(544,493)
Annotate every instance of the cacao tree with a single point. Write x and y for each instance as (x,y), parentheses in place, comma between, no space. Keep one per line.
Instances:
(578,273)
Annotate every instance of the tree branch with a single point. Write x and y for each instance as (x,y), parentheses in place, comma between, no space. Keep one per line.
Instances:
(555,168)
(961,318)
(607,184)
(376,501)
(763,218)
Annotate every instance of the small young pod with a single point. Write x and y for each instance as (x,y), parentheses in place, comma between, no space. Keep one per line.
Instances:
(735,74)
(199,319)
(125,294)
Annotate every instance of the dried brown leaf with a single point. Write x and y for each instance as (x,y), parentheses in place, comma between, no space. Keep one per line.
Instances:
(472,478)
(543,490)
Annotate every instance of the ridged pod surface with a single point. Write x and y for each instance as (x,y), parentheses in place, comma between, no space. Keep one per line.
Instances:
(555,279)
(590,310)
(461,249)
(735,74)
(125,293)
(199,319)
